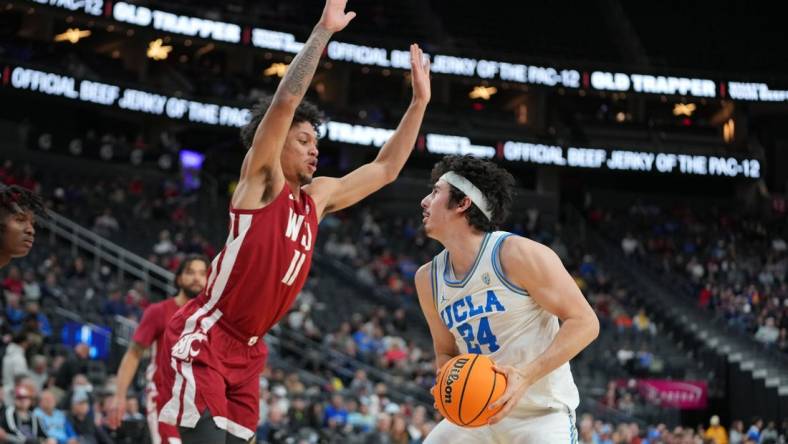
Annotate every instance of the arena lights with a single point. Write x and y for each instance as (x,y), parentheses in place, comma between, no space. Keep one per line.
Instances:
(157,50)
(684,109)
(72,35)
(482,92)
(728,131)
(176,24)
(441,64)
(630,160)
(92,7)
(757,92)
(643,83)
(126,98)
(276,69)
(611,159)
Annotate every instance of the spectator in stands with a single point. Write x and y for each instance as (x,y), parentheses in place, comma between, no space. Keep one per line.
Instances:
(769,434)
(14,364)
(106,225)
(274,430)
(115,306)
(629,245)
(77,269)
(39,322)
(54,421)
(18,421)
(13,281)
(768,333)
(30,287)
(754,432)
(52,289)
(165,245)
(84,425)
(381,434)
(18,209)
(336,411)
(399,430)
(39,372)
(360,383)
(74,365)
(716,432)
(298,416)
(14,311)
(361,420)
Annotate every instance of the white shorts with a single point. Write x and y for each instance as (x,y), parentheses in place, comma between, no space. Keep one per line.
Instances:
(553,427)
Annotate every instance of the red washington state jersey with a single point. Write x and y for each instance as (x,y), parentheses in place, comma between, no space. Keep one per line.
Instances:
(255,278)
(150,333)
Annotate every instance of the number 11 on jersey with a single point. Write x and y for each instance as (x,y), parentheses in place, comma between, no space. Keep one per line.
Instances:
(294,268)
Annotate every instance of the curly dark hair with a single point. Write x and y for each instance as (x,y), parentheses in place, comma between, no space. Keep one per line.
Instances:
(15,199)
(186,262)
(306,112)
(494,182)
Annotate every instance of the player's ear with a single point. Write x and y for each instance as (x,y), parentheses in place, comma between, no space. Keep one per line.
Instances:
(465,204)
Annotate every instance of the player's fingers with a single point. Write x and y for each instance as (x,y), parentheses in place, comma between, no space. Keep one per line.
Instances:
(503,399)
(500,415)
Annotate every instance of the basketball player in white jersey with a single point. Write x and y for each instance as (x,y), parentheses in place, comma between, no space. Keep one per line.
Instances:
(501,295)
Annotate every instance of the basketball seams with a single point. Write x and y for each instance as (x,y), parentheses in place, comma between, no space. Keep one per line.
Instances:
(489,397)
(464,386)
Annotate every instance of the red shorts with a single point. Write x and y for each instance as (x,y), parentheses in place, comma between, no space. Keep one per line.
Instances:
(212,368)
(160,433)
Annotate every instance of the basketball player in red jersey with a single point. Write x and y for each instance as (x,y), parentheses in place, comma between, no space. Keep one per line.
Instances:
(18,210)
(216,349)
(190,280)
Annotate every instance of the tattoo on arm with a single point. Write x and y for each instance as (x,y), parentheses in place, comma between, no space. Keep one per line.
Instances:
(303,67)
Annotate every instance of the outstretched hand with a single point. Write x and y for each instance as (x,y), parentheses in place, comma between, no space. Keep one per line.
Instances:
(334,17)
(420,74)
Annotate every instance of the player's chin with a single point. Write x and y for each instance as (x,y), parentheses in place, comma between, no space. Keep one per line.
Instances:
(22,250)
(304,179)
(428,229)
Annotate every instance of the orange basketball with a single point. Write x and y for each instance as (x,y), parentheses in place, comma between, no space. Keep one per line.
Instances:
(465,387)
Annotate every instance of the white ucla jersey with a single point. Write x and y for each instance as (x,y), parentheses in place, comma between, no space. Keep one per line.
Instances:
(489,315)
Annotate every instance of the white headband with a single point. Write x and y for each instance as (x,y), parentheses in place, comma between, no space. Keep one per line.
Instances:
(470,190)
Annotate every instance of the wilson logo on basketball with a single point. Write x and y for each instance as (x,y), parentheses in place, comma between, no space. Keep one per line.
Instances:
(454,375)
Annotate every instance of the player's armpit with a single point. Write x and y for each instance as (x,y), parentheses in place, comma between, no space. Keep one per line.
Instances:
(442,339)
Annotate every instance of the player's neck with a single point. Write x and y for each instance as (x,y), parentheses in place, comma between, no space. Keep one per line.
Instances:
(463,247)
(295,189)
(181,299)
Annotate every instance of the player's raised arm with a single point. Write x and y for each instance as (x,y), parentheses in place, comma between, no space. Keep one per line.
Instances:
(261,171)
(333,194)
(442,339)
(538,269)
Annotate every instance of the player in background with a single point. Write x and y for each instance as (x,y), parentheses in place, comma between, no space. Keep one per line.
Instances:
(19,208)
(215,343)
(190,281)
(498,294)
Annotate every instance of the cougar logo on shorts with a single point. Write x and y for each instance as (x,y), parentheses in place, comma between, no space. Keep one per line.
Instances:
(183,348)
